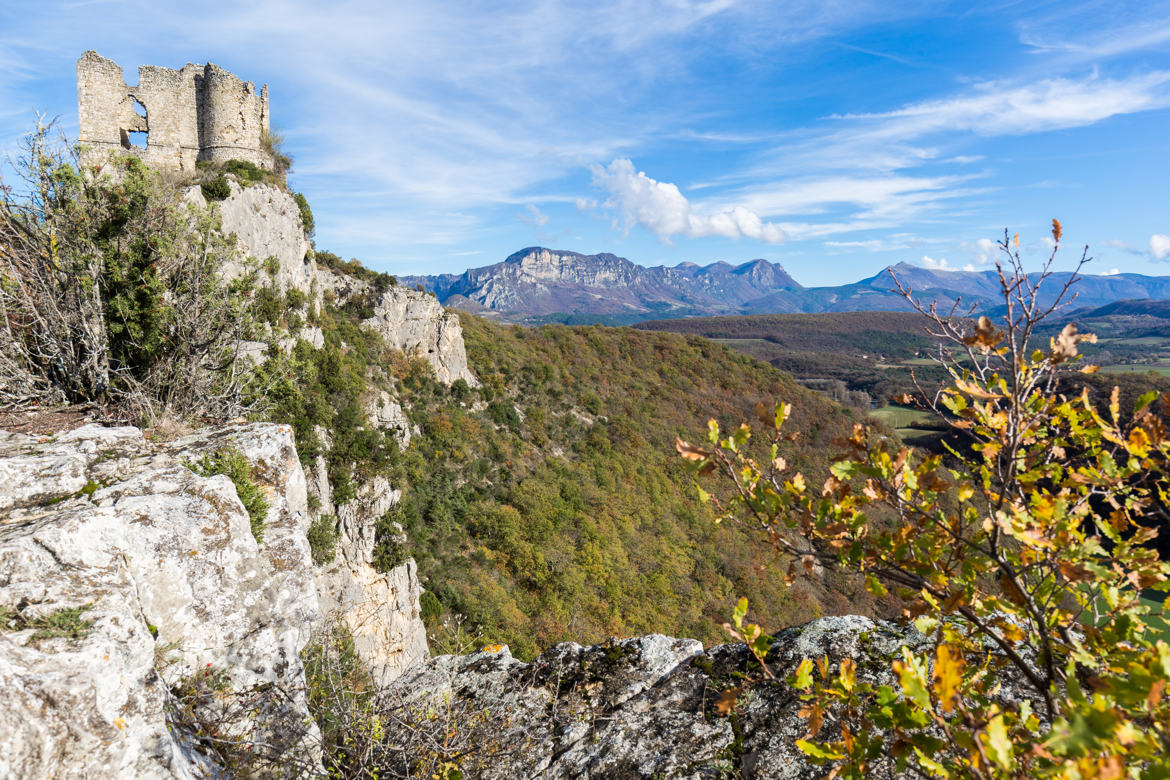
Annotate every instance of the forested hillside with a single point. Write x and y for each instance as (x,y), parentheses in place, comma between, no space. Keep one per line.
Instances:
(550,504)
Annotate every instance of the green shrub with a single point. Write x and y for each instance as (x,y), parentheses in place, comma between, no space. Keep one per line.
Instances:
(380,281)
(273,143)
(116,297)
(389,551)
(294,298)
(246,172)
(231,463)
(306,214)
(217,189)
(323,539)
(430,608)
(268,305)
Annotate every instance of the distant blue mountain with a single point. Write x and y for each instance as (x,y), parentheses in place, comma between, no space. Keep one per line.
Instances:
(539,284)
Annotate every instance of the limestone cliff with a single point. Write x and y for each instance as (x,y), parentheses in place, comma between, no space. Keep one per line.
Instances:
(267,223)
(381,609)
(653,706)
(417,324)
(174,585)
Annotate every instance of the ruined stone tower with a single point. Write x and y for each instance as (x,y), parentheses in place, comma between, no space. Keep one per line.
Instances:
(201,112)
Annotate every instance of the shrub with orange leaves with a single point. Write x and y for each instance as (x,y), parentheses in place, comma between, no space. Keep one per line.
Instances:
(1026,557)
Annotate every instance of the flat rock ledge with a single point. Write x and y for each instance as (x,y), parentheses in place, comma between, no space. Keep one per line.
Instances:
(174,584)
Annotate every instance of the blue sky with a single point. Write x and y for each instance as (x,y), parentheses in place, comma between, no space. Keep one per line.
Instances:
(832,137)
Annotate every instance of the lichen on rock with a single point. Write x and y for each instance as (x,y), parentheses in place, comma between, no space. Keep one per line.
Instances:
(175,584)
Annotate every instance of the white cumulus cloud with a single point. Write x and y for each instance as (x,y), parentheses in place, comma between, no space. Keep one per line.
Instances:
(983,251)
(659,207)
(1159,246)
(936,265)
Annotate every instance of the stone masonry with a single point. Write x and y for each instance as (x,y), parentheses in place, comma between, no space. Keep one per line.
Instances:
(201,112)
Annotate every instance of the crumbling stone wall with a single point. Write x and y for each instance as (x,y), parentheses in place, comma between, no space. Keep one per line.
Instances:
(201,112)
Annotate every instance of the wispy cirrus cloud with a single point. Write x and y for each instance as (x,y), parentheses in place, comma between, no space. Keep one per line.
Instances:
(863,170)
(998,108)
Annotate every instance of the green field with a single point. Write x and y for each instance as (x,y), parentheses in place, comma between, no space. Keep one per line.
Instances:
(1161,368)
(903,418)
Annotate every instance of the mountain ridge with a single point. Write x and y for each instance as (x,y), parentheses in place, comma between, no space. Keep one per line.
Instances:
(538,284)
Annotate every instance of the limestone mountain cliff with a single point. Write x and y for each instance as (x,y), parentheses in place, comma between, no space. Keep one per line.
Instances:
(538,284)
(539,281)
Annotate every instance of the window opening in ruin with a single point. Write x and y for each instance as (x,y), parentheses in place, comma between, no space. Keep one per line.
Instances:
(137,137)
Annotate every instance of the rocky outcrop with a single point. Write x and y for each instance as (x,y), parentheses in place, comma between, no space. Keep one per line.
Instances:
(172,582)
(417,324)
(386,413)
(267,223)
(646,707)
(380,609)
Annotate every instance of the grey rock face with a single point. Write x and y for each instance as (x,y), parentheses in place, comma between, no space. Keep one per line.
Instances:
(174,581)
(645,707)
(267,223)
(381,609)
(417,324)
(385,412)
(540,281)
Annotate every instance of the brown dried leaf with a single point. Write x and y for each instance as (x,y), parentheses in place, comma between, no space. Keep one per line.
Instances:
(725,703)
(690,451)
(1064,345)
(1056,230)
(1075,572)
(1157,690)
(986,335)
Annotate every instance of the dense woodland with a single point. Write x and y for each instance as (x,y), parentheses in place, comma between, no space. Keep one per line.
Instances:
(548,505)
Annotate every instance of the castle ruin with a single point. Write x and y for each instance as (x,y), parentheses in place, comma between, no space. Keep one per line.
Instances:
(199,113)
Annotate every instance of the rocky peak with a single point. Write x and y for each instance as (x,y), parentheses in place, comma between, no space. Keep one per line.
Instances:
(541,281)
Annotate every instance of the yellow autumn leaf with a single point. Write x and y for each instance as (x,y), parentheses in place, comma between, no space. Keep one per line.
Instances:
(948,676)
(997,743)
(848,674)
(1139,442)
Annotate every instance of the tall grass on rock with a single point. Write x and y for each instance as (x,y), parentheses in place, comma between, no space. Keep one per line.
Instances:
(1025,558)
(111,292)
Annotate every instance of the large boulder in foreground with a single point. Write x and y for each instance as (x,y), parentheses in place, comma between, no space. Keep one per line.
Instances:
(124,574)
(645,707)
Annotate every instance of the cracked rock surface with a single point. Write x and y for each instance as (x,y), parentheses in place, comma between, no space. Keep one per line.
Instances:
(645,707)
(173,580)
